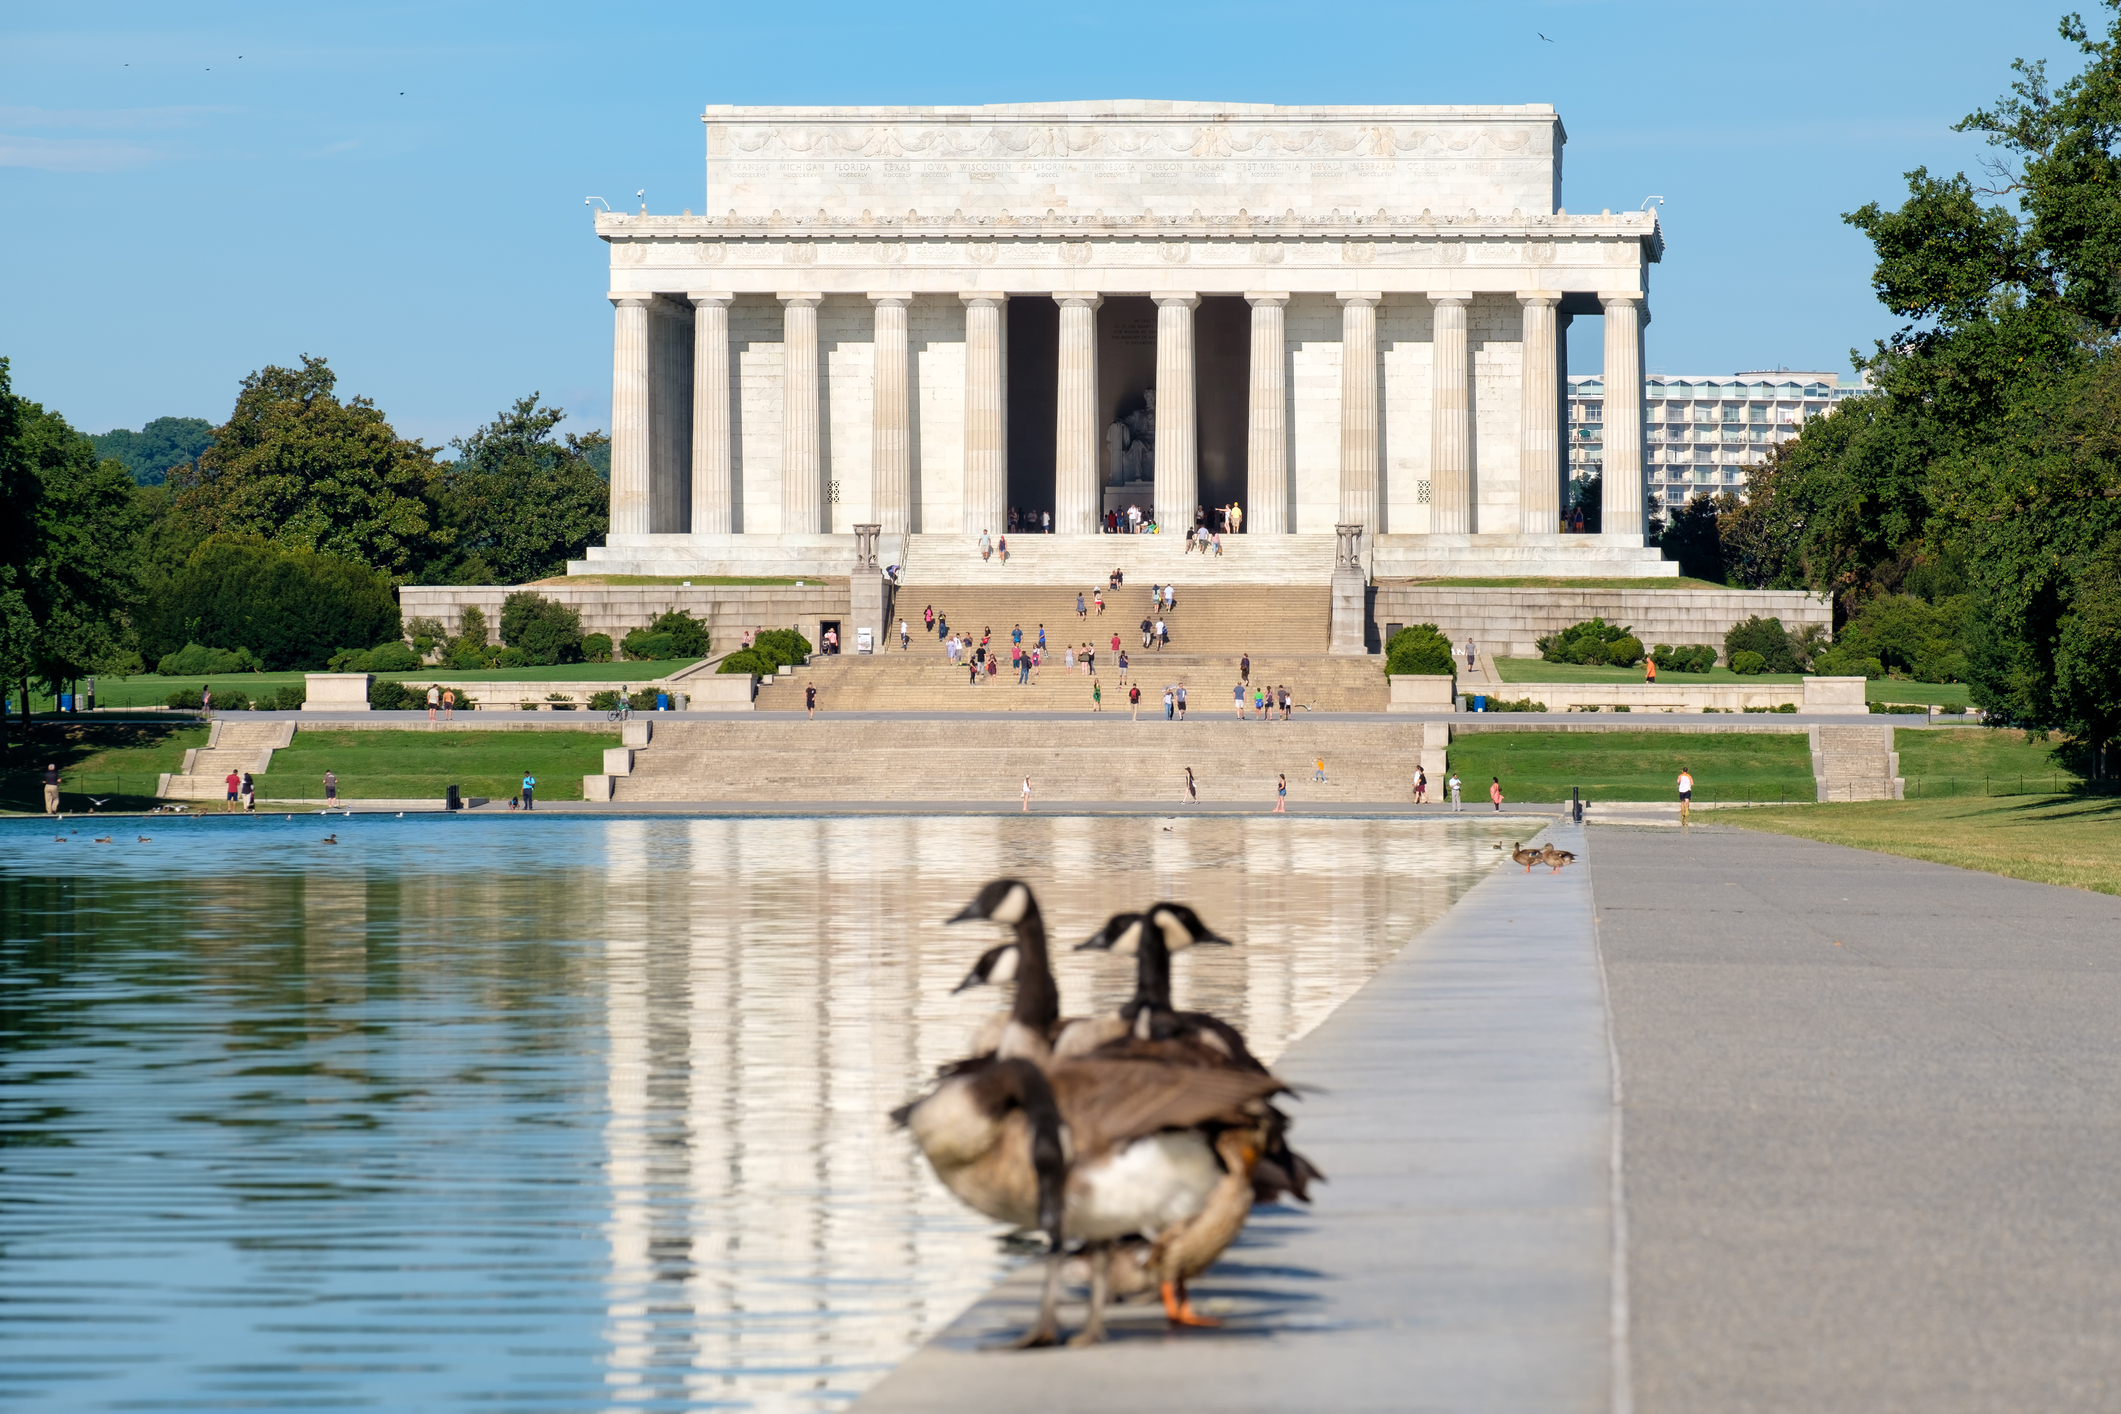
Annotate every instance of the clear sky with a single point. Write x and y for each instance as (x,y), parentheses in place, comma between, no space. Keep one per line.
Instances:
(193,191)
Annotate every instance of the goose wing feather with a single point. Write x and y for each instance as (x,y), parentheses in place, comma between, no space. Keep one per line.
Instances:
(1108,1102)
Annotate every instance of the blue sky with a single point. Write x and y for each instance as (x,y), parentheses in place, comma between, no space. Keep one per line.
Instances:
(192,192)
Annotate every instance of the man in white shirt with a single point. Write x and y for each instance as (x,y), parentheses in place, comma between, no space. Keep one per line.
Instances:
(1454,783)
(1686,793)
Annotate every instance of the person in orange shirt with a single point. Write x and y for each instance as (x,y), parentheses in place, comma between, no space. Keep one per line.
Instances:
(1649,669)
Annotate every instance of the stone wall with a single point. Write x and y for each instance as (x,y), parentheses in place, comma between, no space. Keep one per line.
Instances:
(616,609)
(1508,622)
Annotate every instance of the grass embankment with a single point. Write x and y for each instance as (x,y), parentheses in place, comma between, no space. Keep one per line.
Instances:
(2048,839)
(153,690)
(1550,582)
(1941,694)
(696,581)
(418,765)
(121,762)
(1979,761)
(1545,766)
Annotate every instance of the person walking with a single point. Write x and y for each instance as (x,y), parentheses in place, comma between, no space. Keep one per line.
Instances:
(1238,692)
(810,699)
(1244,668)
(206,702)
(1097,696)
(1421,786)
(1081,611)
(331,789)
(1649,668)
(1686,795)
(1045,520)
(1170,597)
(1182,702)
(905,640)
(1163,636)
(1115,642)
(1318,769)
(1192,793)
(1260,709)
(1452,786)
(928,619)
(235,787)
(449,704)
(986,546)
(1471,655)
(1169,703)
(1027,795)
(1134,700)
(1147,629)
(1098,597)
(434,701)
(1281,795)
(1122,657)
(1286,703)
(1001,547)
(250,795)
(1495,792)
(51,788)
(530,789)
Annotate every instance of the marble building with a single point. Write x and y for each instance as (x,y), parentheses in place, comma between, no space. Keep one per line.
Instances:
(916,318)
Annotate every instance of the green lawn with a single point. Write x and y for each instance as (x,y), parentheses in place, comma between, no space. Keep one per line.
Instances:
(679,579)
(1974,761)
(2048,839)
(1540,670)
(153,690)
(566,672)
(1681,582)
(389,765)
(123,760)
(1544,766)
(1935,694)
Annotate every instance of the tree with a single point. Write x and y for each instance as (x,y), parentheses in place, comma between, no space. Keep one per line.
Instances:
(1694,536)
(518,503)
(542,630)
(296,466)
(289,608)
(158,448)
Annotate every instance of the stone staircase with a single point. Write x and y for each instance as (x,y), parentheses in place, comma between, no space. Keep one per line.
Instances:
(1080,561)
(749,759)
(1230,619)
(230,746)
(924,681)
(1856,763)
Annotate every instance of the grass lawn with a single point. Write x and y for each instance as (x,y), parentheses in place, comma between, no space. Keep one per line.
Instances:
(1540,670)
(1934,694)
(153,690)
(695,580)
(110,759)
(634,673)
(2052,839)
(386,765)
(1544,766)
(1977,761)
(1682,582)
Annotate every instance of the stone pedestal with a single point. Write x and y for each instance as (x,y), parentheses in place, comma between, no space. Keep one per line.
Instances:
(1349,633)
(336,692)
(867,594)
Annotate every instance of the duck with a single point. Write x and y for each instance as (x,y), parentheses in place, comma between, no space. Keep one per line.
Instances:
(1555,859)
(1090,1150)
(331,839)
(1526,857)
(103,839)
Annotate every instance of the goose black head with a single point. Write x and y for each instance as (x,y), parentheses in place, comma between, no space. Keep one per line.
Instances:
(995,967)
(1181,927)
(1003,901)
(1122,934)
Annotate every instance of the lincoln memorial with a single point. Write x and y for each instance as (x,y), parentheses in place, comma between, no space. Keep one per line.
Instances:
(1345,319)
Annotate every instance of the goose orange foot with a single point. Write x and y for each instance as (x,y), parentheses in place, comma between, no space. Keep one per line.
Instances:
(1178,1307)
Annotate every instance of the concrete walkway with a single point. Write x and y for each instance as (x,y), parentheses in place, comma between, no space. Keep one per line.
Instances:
(1460,1258)
(1873,1116)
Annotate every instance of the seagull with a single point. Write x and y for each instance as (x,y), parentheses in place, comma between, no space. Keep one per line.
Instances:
(401,814)
(94,803)
(1542,36)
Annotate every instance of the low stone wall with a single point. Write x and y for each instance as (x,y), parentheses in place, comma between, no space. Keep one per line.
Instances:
(618,609)
(1673,693)
(1509,622)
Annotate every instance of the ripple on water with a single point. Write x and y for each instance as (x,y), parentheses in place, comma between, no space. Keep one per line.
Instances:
(570,1113)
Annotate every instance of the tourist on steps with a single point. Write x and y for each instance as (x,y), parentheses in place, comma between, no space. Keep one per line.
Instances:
(986,546)
(1134,700)
(1281,795)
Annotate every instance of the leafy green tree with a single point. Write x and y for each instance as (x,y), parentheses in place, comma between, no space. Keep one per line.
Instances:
(542,630)
(519,503)
(292,609)
(156,449)
(1694,535)
(296,466)
(1420,649)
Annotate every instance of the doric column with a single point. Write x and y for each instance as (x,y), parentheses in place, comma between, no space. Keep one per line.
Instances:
(986,433)
(1177,449)
(1077,438)
(1358,407)
(1267,437)
(1539,431)
(1450,462)
(1621,508)
(891,435)
(803,508)
(630,450)
(713,487)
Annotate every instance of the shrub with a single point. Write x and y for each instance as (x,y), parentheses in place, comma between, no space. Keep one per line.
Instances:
(393,657)
(1843,661)
(1785,707)
(1748,663)
(236,700)
(468,648)
(643,646)
(688,636)
(1909,635)
(642,701)
(1765,637)
(750,660)
(1592,643)
(1690,658)
(289,697)
(560,701)
(184,699)
(783,645)
(1952,709)
(596,647)
(544,631)
(508,658)
(1514,704)
(1420,649)
(390,695)
(289,608)
(1898,709)
(196,661)
(606,701)
(425,634)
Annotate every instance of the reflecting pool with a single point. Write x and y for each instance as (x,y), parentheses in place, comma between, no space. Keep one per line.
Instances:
(563,1113)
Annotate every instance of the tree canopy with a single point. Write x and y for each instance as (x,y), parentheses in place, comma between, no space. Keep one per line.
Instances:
(519,503)
(156,449)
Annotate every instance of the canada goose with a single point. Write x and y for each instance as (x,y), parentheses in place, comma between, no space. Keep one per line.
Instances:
(1555,859)
(1027,1029)
(1526,857)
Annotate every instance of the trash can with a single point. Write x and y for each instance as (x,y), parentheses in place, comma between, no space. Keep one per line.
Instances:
(453,801)
(1480,703)
(662,702)
(680,701)
(66,702)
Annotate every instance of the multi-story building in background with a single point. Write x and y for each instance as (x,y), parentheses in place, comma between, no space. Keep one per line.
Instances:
(1702,431)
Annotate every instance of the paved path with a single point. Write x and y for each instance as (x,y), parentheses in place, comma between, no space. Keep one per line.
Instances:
(1873,1128)
(1460,1257)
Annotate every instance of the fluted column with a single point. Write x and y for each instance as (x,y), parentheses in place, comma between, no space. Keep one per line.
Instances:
(803,508)
(1621,508)
(1539,432)
(1077,438)
(1267,435)
(1450,462)
(630,451)
(713,488)
(986,433)
(1177,449)
(891,428)
(1358,408)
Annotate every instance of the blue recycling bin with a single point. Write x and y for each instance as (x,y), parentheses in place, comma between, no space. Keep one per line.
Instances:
(662,702)
(66,702)
(1480,704)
